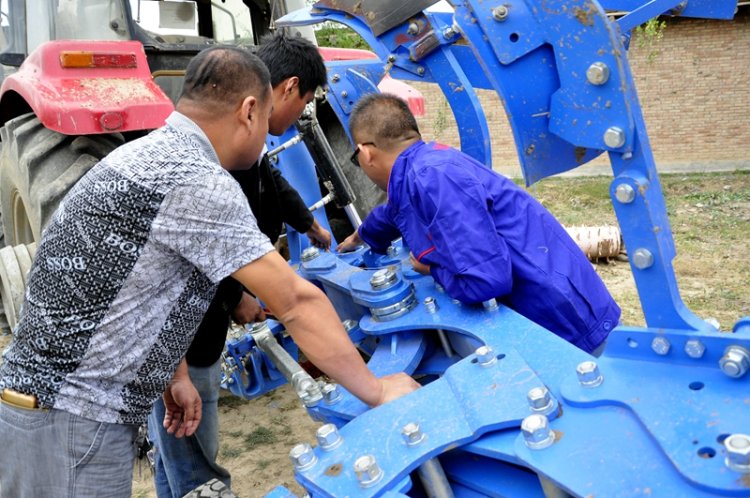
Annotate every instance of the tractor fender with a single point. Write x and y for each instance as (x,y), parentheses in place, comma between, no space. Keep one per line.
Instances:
(115,93)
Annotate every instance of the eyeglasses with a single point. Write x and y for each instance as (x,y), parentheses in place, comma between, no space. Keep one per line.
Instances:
(353,157)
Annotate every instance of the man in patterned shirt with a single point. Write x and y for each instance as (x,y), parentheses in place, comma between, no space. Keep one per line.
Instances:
(123,275)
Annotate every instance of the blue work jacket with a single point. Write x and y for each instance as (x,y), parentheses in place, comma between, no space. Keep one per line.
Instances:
(484,237)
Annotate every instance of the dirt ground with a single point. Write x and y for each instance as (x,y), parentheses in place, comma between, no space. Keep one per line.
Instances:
(710,219)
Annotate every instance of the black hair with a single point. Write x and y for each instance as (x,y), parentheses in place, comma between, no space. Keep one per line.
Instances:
(384,119)
(223,75)
(291,55)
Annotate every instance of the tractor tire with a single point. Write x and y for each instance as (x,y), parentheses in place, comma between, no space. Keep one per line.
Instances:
(212,489)
(367,193)
(15,264)
(37,168)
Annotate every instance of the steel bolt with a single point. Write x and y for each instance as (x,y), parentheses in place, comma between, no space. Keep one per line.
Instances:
(420,70)
(500,13)
(490,304)
(335,78)
(367,470)
(660,345)
(485,356)
(430,304)
(642,259)
(413,435)
(309,254)
(540,400)
(614,137)
(625,193)
(344,94)
(588,374)
(735,362)
(382,278)
(391,58)
(695,348)
(328,437)
(738,452)
(597,73)
(413,29)
(392,251)
(302,456)
(349,324)
(449,33)
(536,432)
(331,394)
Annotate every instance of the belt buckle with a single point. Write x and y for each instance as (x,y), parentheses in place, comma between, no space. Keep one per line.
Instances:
(19,400)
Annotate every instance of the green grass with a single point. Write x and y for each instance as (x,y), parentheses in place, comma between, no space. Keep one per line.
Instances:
(709,215)
(260,436)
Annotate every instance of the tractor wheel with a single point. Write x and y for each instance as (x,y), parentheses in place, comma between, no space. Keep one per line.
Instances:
(37,168)
(15,263)
(368,194)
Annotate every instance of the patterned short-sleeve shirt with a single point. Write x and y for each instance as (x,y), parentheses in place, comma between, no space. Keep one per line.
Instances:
(124,273)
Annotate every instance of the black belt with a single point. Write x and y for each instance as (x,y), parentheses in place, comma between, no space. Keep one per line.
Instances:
(19,400)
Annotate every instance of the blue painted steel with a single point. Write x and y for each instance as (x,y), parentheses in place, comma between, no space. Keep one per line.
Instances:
(298,168)
(655,425)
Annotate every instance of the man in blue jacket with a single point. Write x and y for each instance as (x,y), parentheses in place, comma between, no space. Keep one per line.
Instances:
(478,234)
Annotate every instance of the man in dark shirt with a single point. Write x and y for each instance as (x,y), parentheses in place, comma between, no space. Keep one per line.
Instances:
(297,70)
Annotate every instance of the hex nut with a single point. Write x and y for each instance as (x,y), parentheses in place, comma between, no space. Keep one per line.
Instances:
(500,13)
(614,137)
(738,452)
(331,394)
(735,362)
(485,356)
(367,470)
(430,304)
(383,278)
(309,254)
(624,193)
(588,374)
(536,432)
(694,348)
(540,400)
(597,73)
(661,345)
(328,437)
(412,434)
(642,259)
(302,456)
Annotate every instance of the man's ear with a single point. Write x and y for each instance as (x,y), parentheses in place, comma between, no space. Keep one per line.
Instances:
(291,85)
(248,110)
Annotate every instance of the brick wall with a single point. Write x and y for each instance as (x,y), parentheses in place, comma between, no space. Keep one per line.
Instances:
(694,93)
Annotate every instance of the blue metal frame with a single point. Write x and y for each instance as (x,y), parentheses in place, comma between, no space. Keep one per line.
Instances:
(655,424)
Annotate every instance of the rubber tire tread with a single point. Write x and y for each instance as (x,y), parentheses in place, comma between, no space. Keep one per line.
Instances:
(212,489)
(42,165)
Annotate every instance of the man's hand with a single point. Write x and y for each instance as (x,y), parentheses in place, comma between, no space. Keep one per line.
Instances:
(394,386)
(350,243)
(182,404)
(319,236)
(419,267)
(248,310)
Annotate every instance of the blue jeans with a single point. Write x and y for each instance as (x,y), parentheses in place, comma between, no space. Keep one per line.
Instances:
(183,464)
(52,453)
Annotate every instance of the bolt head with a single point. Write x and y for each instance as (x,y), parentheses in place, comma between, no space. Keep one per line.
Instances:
(310,253)
(536,432)
(448,33)
(331,394)
(588,374)
(660,345)
(430,304)
(383,278)
(624,193)
(335,78)
(412,434)
(490,304)
(738,452)
(349,324)
(413,29)
(328,437)
(614,137)
(367,470)
(485,356)
(500,13)
(420,70)
(695,348)
(642,259)
(735,362)
(344,94)
(597,73)
(302,456)
(539,398)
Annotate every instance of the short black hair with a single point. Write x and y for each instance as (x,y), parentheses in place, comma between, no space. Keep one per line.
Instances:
(223,75)
(291,55)
(384,119)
